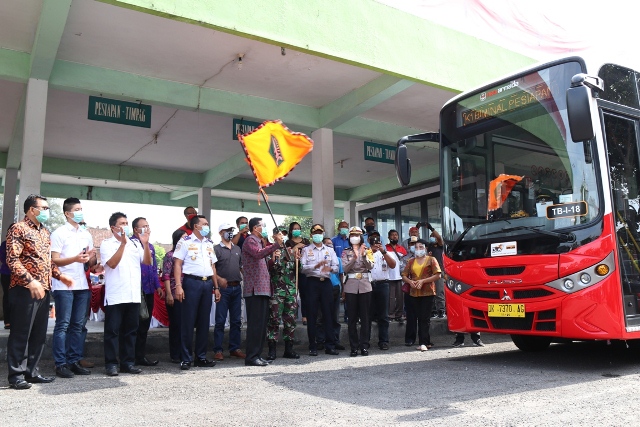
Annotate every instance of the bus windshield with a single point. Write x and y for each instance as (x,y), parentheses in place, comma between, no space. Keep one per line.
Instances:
(510,171)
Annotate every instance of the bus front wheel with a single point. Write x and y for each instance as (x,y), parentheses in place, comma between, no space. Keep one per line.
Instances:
(531,343)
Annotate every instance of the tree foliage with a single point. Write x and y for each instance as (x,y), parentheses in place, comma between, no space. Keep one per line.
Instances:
(160,253)
(306,222)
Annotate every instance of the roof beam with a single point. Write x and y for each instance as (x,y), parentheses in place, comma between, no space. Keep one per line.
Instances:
(360,100)
(14,156)
(389,184)
(373,130)
(53,19)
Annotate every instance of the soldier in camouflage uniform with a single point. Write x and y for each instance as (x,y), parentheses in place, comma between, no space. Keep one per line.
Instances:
(283,305)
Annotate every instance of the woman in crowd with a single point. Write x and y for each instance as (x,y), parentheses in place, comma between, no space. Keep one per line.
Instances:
(421,273)
(357,261)
(296,243)
(173,307)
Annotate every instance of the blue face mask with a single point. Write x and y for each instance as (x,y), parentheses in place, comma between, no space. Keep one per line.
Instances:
(242,227)
(126,229)
(296,233)
(420,253)
(78,217)
(412,249)
(205,230)
(43,216)
(432,240)
(317,238)
(344,231)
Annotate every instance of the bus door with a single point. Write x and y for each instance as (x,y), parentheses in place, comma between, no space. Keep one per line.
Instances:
(621,134)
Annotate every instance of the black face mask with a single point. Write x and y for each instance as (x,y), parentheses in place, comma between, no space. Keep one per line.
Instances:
(393,242)
(369,228)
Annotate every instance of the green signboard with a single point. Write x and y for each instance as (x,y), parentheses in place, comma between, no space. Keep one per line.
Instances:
(379,152)
(122,112)
(241,126)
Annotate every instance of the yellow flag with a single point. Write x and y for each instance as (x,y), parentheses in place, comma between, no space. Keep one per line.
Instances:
(272,151)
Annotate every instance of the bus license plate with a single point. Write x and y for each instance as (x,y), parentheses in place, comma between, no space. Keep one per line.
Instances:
(506,310)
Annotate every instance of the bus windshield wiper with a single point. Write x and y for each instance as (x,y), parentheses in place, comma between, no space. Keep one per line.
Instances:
(562,236)
(466,230)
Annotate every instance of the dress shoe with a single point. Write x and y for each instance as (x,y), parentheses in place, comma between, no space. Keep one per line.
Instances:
(313,352)
(185,366)
(64,372)
(79,370)
(218,357)
(204,363)
(146,362)
(353,353)
(40,380)
(20,385)
(364,352)
(130,369)
(267,361)
(340,347)
(257,362)
(384,346)
(238,353)
(332,351)
(112,371)
(86,364)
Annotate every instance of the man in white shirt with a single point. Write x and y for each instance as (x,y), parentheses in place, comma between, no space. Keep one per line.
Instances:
(122,258)
(71,249)
(382,262)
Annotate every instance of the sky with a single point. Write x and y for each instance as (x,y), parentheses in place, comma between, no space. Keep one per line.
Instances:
(163,220)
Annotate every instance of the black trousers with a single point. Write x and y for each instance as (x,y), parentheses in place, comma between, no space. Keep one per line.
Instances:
(335,311)
(196,311)
(6,308)
(120,329)
(175,321)
(422,307)
(143,329)
(28,333)
(257,319)
(320,297)
(411,330)
(359,307)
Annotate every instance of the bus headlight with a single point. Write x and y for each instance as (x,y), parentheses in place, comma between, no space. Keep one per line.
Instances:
(458,288)
(451,284)
(568,284)
(585,278)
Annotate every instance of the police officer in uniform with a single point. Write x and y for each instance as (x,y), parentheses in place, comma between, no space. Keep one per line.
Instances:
(195,258)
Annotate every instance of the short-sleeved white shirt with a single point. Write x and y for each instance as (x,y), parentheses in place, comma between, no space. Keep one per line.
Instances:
(123,283)
(198,256)
(69,241)
(380,270)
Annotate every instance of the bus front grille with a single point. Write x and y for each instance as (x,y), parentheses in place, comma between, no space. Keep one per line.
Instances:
(513,323)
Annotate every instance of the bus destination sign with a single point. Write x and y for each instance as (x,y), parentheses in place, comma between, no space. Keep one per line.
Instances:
(498,101)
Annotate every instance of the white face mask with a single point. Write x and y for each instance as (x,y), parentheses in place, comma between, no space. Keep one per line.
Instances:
(355,240)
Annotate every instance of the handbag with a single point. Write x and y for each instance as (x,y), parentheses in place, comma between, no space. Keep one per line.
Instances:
(144,310)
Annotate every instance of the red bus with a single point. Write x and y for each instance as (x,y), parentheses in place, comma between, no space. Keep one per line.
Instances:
(540,192)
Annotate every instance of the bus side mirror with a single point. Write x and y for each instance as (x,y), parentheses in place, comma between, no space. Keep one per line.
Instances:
(579,102)
(403,165)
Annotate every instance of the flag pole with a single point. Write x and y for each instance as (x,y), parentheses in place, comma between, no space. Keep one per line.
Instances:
(264,197)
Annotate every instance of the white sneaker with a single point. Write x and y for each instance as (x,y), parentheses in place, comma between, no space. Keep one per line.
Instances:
(422,348)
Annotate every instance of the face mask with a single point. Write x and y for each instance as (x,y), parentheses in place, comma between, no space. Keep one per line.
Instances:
(412,249)
(265,234)
(205,230)
(394,241)
(126,230)
(296,233)
(190,216)
(143,230)
(242,227)
(78,217)
(43,216)
(227,235)
(83,227)
(317,238)
(344,231)
(354,240)
(432,240)
(369,228)
(420,253)
(284,240)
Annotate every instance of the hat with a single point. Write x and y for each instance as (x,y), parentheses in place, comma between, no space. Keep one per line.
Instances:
(413,239)
(413,229)
(316,228)
(374,232)
(225,226)
(355,230)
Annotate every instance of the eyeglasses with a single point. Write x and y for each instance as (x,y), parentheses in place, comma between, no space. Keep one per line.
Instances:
(42,208)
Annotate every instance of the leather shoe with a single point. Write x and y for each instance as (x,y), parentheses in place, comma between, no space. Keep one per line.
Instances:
(146,362)
(64,372)
(267,361)
(332,351)
(40,380)
(218,357)
(130,369)
(112,371)
(79,370)
(185,366)
(313,352)
(353,353)
(257,362)
(364,352)
(86,364)
(204,363)
(20,385)
(238,353)
(339,347)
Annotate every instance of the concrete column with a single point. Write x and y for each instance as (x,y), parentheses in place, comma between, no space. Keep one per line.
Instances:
(33,144)
(322,179)
(204,204)
(350,213)
(9,203)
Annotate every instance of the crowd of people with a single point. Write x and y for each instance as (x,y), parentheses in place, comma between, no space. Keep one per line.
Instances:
(271,270)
